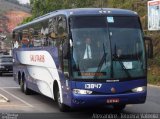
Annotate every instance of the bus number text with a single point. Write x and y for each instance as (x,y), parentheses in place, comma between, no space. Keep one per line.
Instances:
(92,86)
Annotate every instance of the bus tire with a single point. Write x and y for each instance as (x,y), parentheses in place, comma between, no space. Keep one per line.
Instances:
(62,107)
(24,87)
(119,107)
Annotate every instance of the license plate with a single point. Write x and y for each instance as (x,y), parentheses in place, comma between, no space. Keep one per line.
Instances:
(114,100)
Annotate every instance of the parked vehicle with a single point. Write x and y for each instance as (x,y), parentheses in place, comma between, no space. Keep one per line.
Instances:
(6,64)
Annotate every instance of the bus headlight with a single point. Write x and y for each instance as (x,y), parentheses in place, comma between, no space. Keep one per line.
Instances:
(139,89)
(81,91)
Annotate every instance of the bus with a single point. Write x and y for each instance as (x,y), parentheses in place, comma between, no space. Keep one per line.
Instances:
(50,57)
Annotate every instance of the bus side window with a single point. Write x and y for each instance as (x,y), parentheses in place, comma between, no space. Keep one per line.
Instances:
(62,33)
(66,57)
(53,39)
(15,40)
(25,38)
(19,38)
(31,37)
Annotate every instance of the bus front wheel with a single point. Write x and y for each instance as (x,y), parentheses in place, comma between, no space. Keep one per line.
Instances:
(62,107)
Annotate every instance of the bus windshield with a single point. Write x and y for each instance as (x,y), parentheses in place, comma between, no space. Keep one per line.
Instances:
(106,47)
(128,54)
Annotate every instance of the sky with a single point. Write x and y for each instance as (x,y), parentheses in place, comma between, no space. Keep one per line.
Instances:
(23,1)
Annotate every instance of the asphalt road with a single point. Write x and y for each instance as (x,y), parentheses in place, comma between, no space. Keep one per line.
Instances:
(37,105)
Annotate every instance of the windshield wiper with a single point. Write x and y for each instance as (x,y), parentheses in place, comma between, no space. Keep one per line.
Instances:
(123,67)
(102,60)
(120,62)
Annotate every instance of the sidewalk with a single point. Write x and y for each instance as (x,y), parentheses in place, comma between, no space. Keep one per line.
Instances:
(153,85)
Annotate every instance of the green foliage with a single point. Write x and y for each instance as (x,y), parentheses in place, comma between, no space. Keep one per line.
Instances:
(153,79)
(40,7)
(28,19)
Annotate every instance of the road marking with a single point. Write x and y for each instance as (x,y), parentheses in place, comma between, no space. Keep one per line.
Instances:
(3,98)
(9,87)
(17,98)
(5,105)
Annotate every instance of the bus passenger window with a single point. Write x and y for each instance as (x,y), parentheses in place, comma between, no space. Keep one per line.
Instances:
(15,44)
(24,42)
(52,39)
(31,43)
(65,57)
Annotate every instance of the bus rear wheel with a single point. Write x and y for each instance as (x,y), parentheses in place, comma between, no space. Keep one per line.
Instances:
(23,86)
(62,107)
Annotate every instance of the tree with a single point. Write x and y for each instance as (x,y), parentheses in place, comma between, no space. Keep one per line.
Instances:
(40,7)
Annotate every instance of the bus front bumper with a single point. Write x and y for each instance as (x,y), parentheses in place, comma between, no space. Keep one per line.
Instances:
(104,100)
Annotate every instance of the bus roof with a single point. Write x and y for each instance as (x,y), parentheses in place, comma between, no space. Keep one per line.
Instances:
(82,11)
(95,11)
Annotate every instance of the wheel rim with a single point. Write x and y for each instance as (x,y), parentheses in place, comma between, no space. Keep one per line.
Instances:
(58,98)
(21,84)
(25,86)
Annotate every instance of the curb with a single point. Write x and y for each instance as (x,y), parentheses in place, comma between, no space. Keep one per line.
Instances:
(4,99)
(153,85)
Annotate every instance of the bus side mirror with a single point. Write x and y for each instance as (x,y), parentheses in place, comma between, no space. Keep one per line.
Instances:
(149,47)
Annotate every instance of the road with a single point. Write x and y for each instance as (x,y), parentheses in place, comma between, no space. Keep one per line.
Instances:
(30,105)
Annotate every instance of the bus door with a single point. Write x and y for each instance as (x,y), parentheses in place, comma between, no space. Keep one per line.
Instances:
(64,58)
